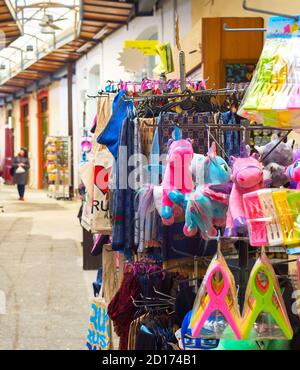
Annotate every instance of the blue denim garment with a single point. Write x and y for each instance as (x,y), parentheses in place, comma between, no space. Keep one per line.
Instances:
(231,138)
(111,134)
(123,212)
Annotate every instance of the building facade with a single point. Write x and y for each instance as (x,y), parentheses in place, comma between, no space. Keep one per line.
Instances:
(26,121)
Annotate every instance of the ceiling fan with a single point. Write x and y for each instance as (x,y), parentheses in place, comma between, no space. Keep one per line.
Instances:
(48,22)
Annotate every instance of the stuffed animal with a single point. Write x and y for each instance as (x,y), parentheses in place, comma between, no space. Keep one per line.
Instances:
(247,176)
(293,173)
(206,208)
(177,177)
(276,163)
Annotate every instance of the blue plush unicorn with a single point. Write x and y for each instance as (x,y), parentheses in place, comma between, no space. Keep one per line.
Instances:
(205,208)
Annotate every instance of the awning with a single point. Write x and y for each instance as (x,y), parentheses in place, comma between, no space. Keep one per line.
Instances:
(99,18)
(9,26)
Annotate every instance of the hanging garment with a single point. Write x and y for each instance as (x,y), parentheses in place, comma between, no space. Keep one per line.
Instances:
(123,212)
(147,134)
(121,309)
(184,303)
(199,136)
(231,138)
(133,331)
(111,134)
(112,275)
(172,236)
(155,333)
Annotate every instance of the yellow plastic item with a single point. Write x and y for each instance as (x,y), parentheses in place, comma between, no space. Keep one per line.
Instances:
(285,218)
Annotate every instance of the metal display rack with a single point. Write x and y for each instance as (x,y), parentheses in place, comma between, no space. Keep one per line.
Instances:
(59,167)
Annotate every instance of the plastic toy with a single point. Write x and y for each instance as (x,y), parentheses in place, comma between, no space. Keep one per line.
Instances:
(217,294)
(256,220)
(263,296)
(274,233)
(86,144)
(285,217)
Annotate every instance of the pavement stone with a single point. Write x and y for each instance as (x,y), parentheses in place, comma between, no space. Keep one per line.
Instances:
(47,292)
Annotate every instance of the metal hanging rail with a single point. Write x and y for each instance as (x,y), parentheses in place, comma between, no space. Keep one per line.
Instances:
(186,94)
(227,29)
(268,12)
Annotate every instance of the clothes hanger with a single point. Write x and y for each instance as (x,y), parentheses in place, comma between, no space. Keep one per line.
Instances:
(163,294)
(183,104)
(186,264)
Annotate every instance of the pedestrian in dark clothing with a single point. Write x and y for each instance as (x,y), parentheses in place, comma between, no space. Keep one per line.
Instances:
(20,170)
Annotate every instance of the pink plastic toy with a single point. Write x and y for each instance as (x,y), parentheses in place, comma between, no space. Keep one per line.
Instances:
(217,300)
(178,175)
(247,176)
(256,220)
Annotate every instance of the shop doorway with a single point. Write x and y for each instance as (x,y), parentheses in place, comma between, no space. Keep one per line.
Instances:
(24,118)
(234,55)
(43,132)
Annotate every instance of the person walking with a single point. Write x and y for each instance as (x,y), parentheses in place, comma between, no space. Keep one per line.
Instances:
(21,167)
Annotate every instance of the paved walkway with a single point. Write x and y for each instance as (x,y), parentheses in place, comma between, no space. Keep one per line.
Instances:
(47,293)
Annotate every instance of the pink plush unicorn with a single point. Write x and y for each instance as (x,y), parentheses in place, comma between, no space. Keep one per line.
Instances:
(293,172)
(178,176)
(247,176)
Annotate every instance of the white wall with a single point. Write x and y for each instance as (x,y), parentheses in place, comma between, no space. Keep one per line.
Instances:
(33,134)
(58,108)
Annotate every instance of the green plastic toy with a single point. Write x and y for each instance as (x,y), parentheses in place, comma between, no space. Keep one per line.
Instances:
(265,298)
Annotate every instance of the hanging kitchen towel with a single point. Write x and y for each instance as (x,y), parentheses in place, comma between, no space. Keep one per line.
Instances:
(101,222)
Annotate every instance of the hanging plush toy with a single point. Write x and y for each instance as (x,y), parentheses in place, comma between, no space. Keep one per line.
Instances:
(206,208)
(178,177)
(293,173)
(247,176)
(276,163)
